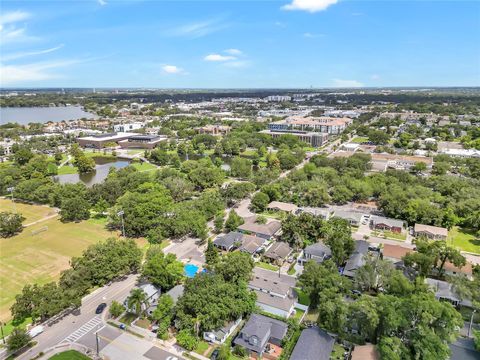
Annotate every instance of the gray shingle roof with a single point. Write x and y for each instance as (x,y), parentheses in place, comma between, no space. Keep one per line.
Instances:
(279,250)
(262,329)
(357,259)
(313,344)
(318,249)
(227,241)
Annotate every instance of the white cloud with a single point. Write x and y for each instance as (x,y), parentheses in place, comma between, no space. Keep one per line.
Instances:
(312,36)
(346,83)
(233,52)
(20,55)
(197,29)
(309,5)
(172,69)
(13,17)
(375,77)
(28,73)
(102,2)
(218,57)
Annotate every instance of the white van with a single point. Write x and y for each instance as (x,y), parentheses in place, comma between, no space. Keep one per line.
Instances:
(37,330)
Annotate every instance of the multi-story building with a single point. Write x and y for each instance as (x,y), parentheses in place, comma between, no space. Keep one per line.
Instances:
(322,124)
(128,127)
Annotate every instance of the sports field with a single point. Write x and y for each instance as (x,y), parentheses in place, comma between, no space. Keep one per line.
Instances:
(42,251)
(30,212)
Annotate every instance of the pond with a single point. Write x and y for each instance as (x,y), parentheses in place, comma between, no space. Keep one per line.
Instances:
(25,115)
(101,171)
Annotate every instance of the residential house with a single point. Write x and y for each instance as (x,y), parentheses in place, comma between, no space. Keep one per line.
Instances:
(266,231)
(317,252)
(313,344)
(446,291)
(230,241)
(278,252)
(463,349)
(357,259)
(252,244)
(152,295)
(282,206)
(324,213)
(431,232)
(176,292)
(220,335)
(354,218)
(383,223)
(261,335)
(275,293)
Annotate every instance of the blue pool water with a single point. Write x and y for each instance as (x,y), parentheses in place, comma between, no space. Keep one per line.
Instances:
(190,270)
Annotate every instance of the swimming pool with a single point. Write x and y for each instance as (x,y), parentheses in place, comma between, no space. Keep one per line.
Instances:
(190,270)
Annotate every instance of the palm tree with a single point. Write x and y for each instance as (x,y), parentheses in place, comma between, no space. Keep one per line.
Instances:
(136,299)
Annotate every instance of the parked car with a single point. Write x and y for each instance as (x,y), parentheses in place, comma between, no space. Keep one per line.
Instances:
(100,308)
(37,330)
(214,355)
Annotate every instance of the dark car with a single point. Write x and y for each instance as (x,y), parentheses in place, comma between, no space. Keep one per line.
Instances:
(214,355)
(100,308)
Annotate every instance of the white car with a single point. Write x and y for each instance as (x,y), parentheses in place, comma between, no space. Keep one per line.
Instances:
(37,330)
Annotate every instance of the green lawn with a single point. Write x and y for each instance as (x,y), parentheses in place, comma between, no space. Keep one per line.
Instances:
(298,314)
(67,169)
(359,139)
(135,151)
(390,235)
(70,355)
(127,318)
(464,239)
(201,347)
(9,326)
(30,212)
(311,316)
(143,166)
(42,251)
(278,215)
(267,266)
(337,353)
(302,297)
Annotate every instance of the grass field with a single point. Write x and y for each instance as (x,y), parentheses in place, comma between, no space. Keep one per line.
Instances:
(267,266)
(359,140)
(144,166)
(464,239)
(69,355)
(40,257)
(67,169)
(30,212)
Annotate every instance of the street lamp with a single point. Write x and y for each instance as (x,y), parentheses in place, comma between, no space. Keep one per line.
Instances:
(121,213)
(471,322)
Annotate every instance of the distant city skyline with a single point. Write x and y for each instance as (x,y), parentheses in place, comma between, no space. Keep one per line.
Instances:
(233,44)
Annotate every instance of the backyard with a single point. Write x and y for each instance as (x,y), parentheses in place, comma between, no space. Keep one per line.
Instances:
(464,239)
(42,251)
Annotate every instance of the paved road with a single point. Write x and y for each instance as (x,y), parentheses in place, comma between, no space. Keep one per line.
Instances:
(75,326)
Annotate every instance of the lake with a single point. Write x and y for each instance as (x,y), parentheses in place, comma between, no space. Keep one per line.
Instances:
(102,170)
(25,115)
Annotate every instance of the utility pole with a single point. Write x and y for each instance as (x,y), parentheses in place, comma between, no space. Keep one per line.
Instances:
(97,342)
(471,322)
(121,213)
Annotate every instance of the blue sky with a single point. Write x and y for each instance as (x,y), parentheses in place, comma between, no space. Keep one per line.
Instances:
(239,44)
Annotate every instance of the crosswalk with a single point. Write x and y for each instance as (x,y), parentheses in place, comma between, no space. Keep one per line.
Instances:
(84,329)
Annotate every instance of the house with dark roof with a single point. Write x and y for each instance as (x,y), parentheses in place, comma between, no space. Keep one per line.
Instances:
(275,292)
(266,231)
(230,241)
(357,259)
(313,344)
(383,223)
(318,252)
(278,252)
(463,349)
(260,334)
(176,292)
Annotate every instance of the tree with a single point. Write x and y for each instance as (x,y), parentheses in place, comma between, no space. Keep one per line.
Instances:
(116,309)
(234,267)
(10,223)
(233,221)
(259,202)
(163,314)
(338,237)
(74,209)
(378,137)
(137,300)
(224,352)
(23,155)
(218,222)
(418,168)
(241,167)
(211,254)
(18,339)
(374,274)
(187,340)
(164,271)
(476,338)
(84,164)
(302,230)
